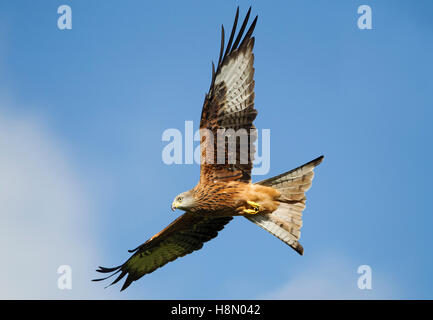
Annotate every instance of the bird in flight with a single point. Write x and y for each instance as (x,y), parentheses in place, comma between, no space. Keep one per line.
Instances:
(225,188)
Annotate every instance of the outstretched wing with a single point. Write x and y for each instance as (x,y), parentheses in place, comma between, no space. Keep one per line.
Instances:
(228,111)
(183,236)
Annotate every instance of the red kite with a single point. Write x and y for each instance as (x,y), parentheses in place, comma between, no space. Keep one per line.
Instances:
(225,188)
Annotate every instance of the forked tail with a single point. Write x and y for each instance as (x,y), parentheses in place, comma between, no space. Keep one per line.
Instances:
(285,223)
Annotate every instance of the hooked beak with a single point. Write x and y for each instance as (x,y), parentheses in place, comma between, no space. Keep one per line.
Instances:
(174,206)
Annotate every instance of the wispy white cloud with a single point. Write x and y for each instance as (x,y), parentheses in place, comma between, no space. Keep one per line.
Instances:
(333,277)
(45,215)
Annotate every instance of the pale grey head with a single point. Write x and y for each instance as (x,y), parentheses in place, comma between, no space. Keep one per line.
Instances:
(183,201)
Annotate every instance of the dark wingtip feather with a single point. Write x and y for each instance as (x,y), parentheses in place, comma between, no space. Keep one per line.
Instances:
(241,31)
(232,34)
(249,32)
(106,270)
(133,250)
(121,275)
(127,282)
(230,45)
(100,279)
(222,45)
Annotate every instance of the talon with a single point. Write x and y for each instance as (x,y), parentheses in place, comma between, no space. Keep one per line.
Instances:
(250,211)
(255,206)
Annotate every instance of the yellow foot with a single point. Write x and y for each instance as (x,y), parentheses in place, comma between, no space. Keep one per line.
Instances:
(249,211)
(255,206)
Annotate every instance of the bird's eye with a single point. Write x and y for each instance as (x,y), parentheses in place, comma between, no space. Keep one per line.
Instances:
(179,199)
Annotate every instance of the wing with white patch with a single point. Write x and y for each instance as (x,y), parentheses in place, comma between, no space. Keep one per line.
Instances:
(228,110)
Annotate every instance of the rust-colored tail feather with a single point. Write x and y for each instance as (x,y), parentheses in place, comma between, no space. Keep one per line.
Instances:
(285,223)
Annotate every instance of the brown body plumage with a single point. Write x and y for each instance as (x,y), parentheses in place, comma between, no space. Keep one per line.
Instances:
(230,198)
(225,189)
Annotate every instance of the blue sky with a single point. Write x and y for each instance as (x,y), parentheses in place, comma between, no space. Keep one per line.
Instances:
(82,113)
